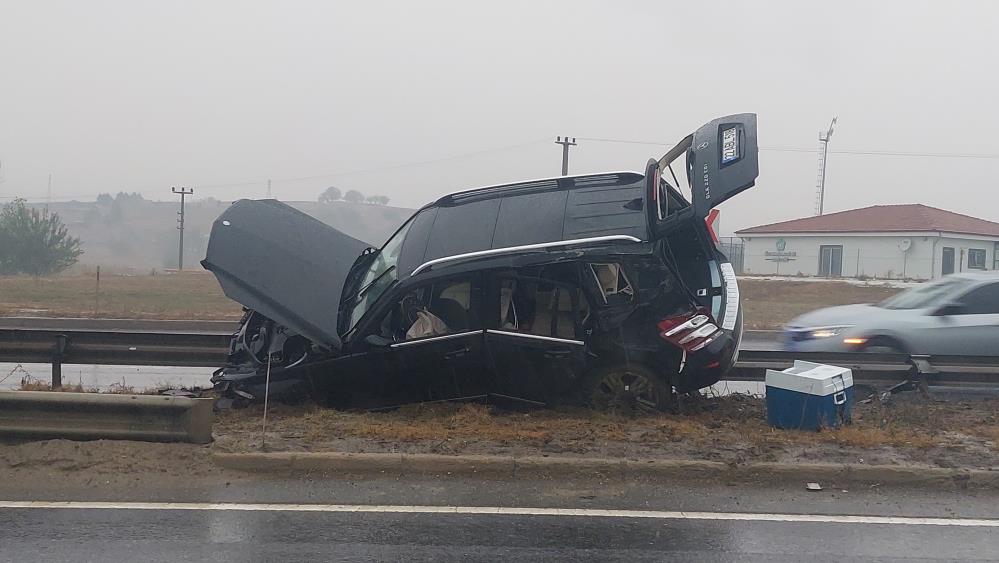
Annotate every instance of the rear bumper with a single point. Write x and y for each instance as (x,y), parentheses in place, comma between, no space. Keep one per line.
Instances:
(709,365)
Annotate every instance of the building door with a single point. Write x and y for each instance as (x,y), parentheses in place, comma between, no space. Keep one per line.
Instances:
(831,261)
(947,266)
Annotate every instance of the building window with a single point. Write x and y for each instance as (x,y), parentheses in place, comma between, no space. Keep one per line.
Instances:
(830,261)
(976,258)
(995,256)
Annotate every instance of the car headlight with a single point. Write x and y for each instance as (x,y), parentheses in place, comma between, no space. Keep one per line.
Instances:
(827,331)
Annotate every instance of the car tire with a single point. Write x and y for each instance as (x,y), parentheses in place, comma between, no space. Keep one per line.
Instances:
(883,346)
(628,389)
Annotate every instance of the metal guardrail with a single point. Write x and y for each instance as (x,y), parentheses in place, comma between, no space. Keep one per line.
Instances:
(41,414)
(141,348)
(209,349)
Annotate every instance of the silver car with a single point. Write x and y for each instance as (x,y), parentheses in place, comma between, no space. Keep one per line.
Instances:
(957,314)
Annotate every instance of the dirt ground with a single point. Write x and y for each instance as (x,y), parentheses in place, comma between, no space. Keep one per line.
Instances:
(769,304)
(183,295)
(908,430)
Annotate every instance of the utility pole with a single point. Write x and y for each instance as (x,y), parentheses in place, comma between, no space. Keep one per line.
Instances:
(269,188)
(823,153)
(180,220)
(48,198)
(565,152)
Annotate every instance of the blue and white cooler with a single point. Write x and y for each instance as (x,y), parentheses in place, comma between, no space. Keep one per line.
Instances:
(809,396)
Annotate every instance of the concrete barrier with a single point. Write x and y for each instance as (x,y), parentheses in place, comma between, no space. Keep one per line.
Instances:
(93,416)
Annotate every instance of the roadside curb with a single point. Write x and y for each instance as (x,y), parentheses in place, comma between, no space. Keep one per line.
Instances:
(538,467)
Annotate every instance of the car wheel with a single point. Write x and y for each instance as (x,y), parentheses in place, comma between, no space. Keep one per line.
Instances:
(883,346)
(628,389)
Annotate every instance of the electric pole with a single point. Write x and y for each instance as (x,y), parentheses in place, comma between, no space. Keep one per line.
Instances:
(823,153)
(48,197)
(269,188)
(180,220)
(565,152)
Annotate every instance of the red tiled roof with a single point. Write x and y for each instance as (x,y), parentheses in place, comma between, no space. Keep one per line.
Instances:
(883,218)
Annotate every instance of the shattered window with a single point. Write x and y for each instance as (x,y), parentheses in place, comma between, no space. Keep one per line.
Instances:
(432,310)
(613,283)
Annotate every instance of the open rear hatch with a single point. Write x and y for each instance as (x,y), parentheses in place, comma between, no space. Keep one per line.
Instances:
(722,160)
(284,264)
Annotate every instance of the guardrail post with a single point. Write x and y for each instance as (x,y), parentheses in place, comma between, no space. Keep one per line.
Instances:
(58,352)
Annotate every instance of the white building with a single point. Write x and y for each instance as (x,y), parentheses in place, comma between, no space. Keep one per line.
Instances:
(883,241)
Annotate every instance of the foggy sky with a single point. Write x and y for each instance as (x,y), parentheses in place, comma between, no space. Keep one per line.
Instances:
(142,96)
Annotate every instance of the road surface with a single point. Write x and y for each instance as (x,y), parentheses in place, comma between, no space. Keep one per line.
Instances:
(442,519)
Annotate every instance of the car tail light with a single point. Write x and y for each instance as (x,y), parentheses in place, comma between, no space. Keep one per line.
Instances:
(690,331)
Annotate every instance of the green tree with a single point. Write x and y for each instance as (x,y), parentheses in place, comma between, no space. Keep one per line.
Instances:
(34,242)
(353,196)
(331,194)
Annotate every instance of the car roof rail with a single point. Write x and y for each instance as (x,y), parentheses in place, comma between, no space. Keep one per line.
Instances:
(523,248)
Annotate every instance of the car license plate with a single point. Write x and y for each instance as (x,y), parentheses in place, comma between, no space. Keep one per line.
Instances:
(730,145)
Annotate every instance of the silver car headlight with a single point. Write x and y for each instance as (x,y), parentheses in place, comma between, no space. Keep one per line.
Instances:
(827,331)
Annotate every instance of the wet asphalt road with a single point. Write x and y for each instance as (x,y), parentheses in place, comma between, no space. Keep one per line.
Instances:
(123,535)
(232,532)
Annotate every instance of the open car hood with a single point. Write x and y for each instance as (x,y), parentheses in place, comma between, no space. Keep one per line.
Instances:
(284,264)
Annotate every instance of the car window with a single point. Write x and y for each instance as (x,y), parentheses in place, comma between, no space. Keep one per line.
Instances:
(981,301)
(543,303)
(435,309)
(615,287)
(926,295)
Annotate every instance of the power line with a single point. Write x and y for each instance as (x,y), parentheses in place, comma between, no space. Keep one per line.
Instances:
(802,149)
(377,169)
(263,182)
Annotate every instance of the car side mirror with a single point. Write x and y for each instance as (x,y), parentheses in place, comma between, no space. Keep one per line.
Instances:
(376,341)
(952,308)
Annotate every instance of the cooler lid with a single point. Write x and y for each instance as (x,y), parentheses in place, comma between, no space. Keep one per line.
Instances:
(811,378)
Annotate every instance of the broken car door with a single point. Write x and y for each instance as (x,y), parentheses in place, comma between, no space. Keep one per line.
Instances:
(534,342)
(433,335)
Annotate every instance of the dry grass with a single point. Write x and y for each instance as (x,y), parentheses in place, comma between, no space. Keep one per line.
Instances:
(34,385)
(731,428)
(31,384)
(770,304)
(186,295)
(989,433)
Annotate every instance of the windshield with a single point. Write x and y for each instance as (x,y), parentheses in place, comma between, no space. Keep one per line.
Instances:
(381,274)
(923,296)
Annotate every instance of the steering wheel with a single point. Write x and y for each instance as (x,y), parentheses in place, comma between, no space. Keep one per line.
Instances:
(409,307)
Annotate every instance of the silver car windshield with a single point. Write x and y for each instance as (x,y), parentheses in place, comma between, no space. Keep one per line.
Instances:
(924,295)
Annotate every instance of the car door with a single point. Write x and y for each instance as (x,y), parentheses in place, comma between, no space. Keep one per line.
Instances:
(971,329)
(534,342)
(430,341)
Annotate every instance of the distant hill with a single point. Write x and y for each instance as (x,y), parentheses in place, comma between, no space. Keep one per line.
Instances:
(142,235)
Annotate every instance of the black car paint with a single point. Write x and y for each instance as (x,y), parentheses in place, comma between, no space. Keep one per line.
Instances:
(676,269)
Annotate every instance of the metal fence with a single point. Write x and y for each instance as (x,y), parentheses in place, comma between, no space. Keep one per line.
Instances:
(734,249)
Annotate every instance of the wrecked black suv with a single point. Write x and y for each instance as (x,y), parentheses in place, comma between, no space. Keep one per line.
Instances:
(606,289)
